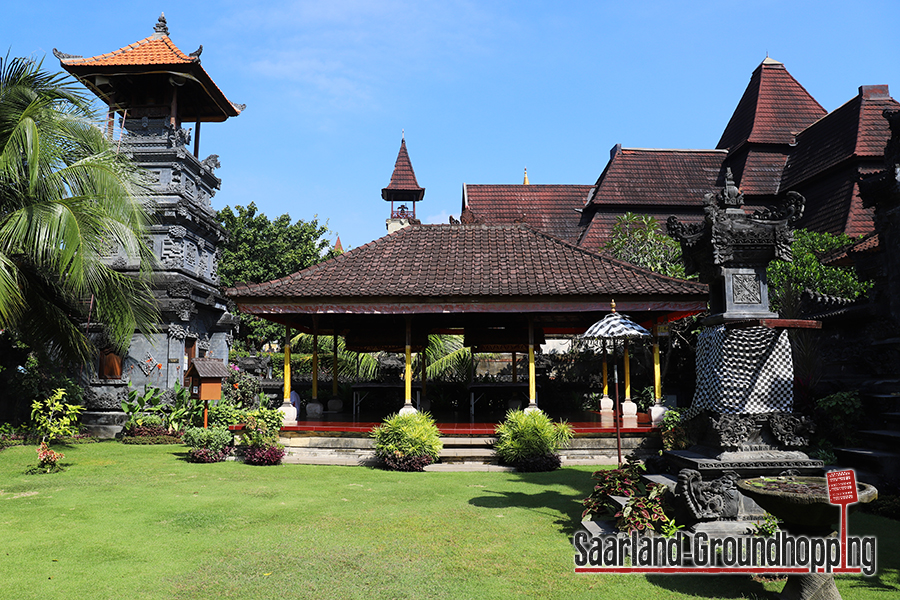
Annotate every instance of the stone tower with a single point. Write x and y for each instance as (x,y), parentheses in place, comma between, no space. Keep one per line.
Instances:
(154,88)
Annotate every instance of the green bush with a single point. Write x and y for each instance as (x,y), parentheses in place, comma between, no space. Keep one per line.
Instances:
(212,438)
(406,442)
(526,437)
(208,445)
(224,413)
(838,417)
(53,418)
(272,417)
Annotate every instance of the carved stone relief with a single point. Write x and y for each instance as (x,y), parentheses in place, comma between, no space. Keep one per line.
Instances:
(747,288)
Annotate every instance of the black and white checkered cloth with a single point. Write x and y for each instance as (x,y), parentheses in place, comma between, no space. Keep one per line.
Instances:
(743,371)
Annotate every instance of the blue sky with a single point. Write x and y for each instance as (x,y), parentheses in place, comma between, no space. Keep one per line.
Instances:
(482,89)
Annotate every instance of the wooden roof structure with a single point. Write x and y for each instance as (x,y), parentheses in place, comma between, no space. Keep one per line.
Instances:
(467,279)
(131,77)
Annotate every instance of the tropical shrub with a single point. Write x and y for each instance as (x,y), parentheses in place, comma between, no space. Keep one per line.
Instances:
(208,445)
(645,508)
(624,481)
(408,442)
(645,512)
(224,413)
(151,440)
(530,440)
(838,417)
(144,425)
(674,435)
(242,389)
(260,441)
(53,418)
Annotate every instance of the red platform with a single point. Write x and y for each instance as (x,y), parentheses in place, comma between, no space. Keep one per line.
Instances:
(581,428)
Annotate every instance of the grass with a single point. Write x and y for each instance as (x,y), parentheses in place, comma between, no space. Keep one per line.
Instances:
(140,522)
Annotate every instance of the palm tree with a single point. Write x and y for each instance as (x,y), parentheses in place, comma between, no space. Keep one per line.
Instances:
(65,196)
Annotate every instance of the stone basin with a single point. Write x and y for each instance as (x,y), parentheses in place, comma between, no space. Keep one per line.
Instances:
(808,506)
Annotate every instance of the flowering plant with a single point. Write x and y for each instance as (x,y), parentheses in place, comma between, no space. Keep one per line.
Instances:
(48,460)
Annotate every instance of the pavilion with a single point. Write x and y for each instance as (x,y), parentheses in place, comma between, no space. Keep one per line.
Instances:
(505,287)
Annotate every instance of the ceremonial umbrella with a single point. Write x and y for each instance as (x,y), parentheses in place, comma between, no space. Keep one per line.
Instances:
(612,327)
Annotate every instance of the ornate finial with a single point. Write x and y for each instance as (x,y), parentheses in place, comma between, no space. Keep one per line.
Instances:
(161,27)
(526,177)
(732,196)
(612,305)
(196,53)
(402,135)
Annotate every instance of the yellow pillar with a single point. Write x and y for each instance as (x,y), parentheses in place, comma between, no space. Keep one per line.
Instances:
(627,374)
(532,381)
(408,373)
(287,364)
(315,367)
(605,372)
(657,379)
(334,365)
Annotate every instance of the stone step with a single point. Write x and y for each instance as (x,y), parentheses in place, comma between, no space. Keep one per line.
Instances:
(466,452)
(878,461)
(667,480)
(892,417)
(882,439)
(485,442)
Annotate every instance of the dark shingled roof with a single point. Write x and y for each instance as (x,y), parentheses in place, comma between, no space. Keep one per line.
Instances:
(773,108)
(210,367)
(645,178)
(553,209)
(480,262)
(832,154)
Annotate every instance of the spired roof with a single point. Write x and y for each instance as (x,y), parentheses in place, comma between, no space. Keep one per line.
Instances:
(403,186)
(482,262)
(773,108)
(552,209)
(116,77)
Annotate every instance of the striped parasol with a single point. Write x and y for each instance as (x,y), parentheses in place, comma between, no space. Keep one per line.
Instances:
(615,326)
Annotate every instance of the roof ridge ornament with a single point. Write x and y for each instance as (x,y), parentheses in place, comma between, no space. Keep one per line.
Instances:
(161,28)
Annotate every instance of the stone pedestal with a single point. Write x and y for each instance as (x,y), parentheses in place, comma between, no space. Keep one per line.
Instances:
(314,410)
(290,414)
(629,414)
(408,409)
(657,412)
(335,405)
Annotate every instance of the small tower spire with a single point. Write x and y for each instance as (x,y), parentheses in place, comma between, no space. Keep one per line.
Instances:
(402,189)
(526,177)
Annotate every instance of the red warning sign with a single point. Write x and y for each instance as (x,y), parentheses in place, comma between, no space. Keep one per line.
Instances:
(842,487)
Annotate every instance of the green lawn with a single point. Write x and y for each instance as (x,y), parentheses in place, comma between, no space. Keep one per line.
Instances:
(139,522)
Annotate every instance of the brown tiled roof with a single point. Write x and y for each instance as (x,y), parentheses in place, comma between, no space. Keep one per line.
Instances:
(773,108)
(643,178)
(480,262)
(553,209)
(403,179)
(758,172)
(650,181)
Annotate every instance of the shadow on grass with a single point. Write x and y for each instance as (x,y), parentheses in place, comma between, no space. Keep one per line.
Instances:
(549,503)
(711,586)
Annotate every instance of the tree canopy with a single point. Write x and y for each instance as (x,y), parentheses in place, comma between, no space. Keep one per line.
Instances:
(66,196)
(259,250)
(639,239)
(788,280)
